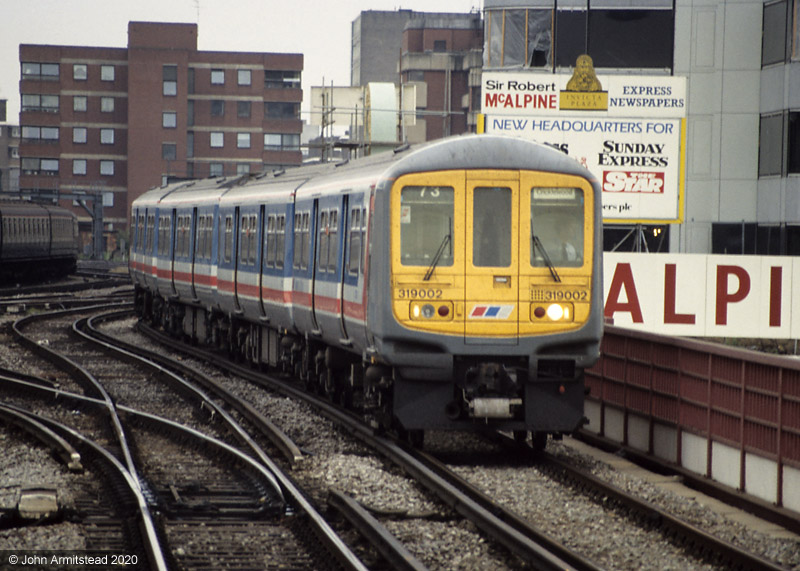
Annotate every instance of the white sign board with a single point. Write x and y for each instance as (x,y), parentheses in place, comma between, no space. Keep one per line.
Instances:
(704,295)
(630,135)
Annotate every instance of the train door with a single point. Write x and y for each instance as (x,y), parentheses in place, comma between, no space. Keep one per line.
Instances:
(492,256)
(193,235)
(172,250)
(318,235)
(237,224)
(344,224)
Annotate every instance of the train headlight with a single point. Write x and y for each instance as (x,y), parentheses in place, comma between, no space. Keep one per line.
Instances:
(552,312)
(431,311)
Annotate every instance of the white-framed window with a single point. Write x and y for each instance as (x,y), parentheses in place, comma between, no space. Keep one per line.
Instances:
(107,136)
(80,103)
(107,104)
(244,77)
(217,140)
(217,77)
(169,119)
(215,169)
(107,72)
(242,168)
(107,168)
(108,199)
(80,72)
(79,135)
(79,166)
(48,165)
(243,140)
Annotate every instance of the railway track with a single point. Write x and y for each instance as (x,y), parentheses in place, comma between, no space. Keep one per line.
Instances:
(396,527)
(215,505)
(514,531)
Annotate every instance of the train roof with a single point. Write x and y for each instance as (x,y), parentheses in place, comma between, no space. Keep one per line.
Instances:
(459,152)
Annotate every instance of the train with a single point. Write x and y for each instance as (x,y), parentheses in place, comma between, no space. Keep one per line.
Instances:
(37,241)
(452,285)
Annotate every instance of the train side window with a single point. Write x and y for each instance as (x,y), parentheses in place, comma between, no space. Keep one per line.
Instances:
(244,239)
(251,241)
(491,223)
(210,236)
(151,221)
(280,241)
(363,239)
(269,249)
(227,248)
(306,246)
(557,221)
(298,238)
(355,241)
(333,242)
(324,240)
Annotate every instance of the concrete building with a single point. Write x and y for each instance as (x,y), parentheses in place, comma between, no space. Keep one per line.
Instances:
(740,138)
(9,160)
(114,122)
(437,53)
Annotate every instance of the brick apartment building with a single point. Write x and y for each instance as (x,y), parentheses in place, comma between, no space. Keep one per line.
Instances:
(118,121)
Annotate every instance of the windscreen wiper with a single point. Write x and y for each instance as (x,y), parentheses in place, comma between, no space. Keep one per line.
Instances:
(538,244)
(437,257)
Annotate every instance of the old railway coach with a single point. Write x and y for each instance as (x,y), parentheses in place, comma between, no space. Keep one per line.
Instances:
(455,285)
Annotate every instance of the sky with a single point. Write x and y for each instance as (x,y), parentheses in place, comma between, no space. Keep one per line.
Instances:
(319,29)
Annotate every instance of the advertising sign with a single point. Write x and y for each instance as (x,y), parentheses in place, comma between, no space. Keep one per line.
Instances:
(704,295)
(628,130)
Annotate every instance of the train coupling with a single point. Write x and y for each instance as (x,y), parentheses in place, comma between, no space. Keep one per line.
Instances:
(493,407)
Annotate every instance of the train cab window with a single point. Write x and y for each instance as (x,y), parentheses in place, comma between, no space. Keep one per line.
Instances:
(426,225)
(557,222)
(491,226)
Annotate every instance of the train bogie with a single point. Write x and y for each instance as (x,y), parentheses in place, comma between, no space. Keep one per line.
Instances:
(456,286)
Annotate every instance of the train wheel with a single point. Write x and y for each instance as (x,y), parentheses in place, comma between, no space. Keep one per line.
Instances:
(539,441)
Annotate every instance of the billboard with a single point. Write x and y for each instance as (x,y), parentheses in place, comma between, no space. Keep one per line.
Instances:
(628,130)
(704,295)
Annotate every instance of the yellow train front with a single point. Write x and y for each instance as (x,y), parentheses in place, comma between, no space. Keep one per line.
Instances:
(485,288)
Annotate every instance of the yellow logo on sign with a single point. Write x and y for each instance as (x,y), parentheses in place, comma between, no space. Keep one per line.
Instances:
(584,91)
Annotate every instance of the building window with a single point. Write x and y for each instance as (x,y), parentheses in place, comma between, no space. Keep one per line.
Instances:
(217,108)
(31,165)
(215,169)
(30,133)
(243,168)
(281,142)
(281,79)
(217,140)
(169,78)
(79,135)
(79,103)
(107,72)
(107,136)
(79,72)
(169,151)
(34,102)
(107,104)
(440,45)
(244,77)
(36,70)
(773,37)
(107,168)
(217,77)
(281,110)
(243,140)
(169,119)
(615,37)
(243,109)
(770,145)
(190,144)
(79,167)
